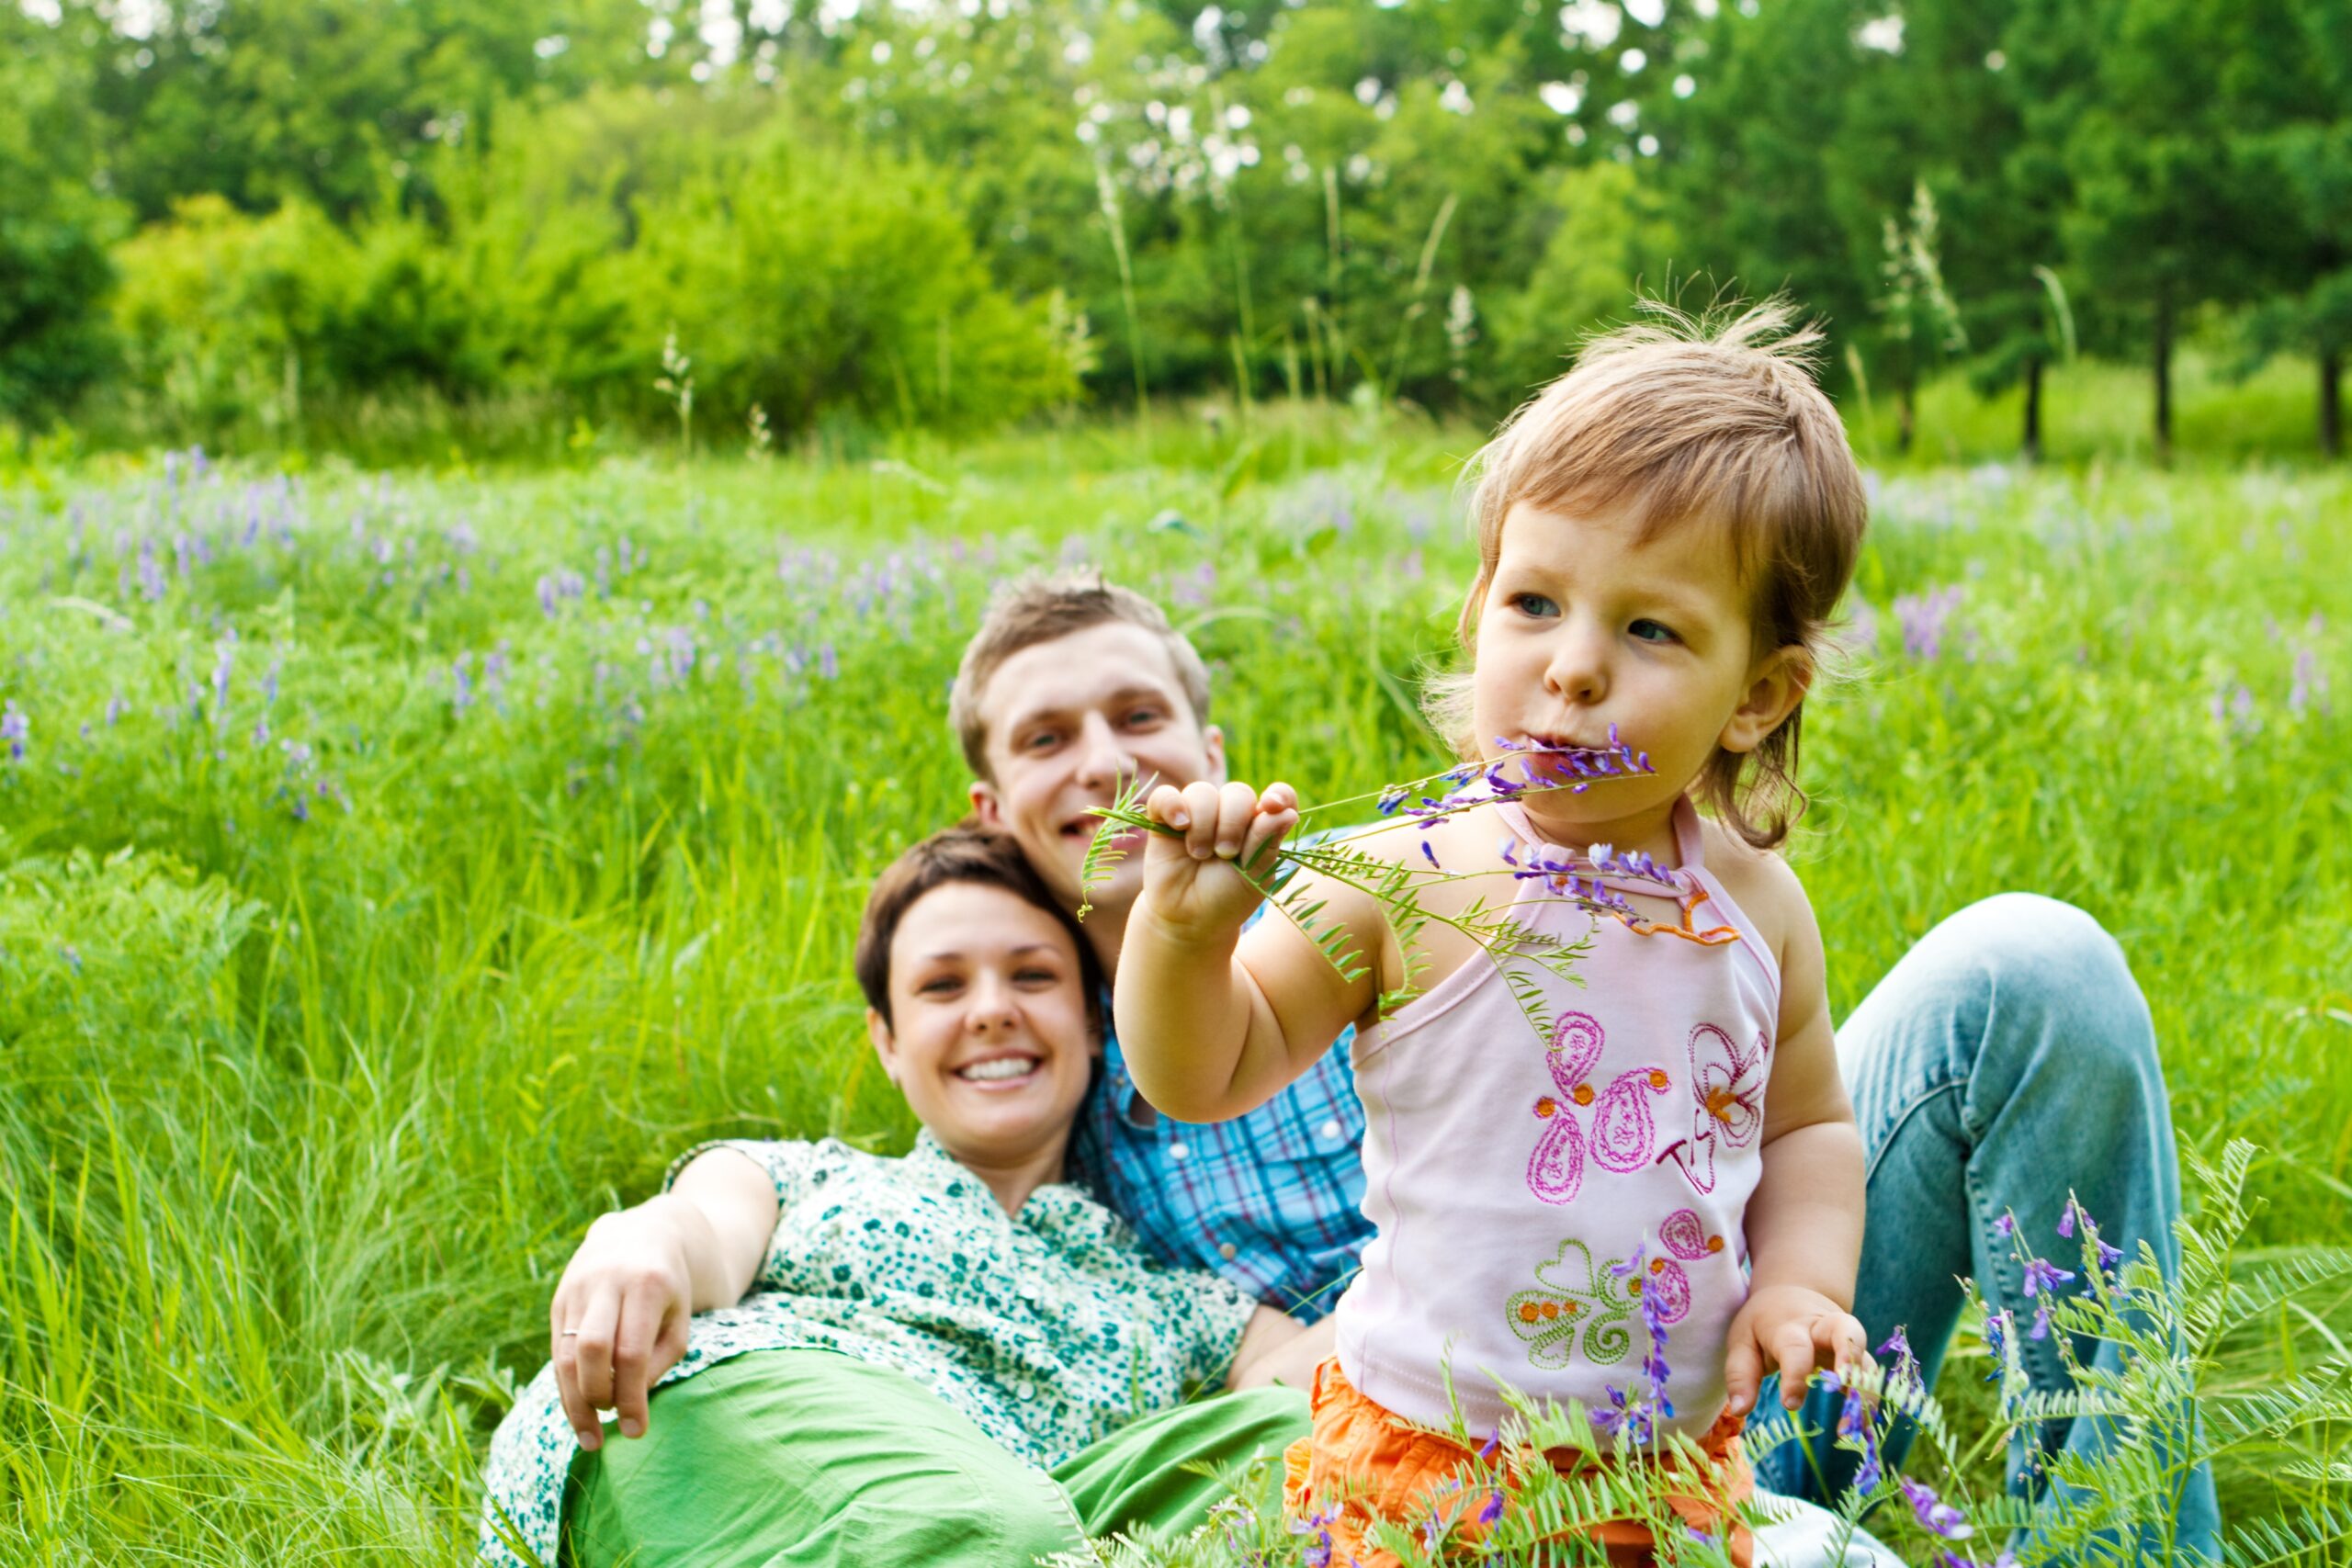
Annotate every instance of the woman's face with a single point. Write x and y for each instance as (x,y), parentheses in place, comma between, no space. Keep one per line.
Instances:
(989,1038)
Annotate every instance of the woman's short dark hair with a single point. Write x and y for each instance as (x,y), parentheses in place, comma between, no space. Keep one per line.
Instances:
(967,852)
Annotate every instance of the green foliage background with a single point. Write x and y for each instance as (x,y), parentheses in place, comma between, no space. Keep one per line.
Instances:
(394,228)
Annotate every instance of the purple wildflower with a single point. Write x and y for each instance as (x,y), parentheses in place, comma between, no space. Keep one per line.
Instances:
(461,695)
(2066,1220)
(829,664)
(1622,1414)
(2042,1279)
(1937,1517)
(1855,1426)
(116,708)
(1318,1525)
(2040,1275)
(221,667)
(73,958)
(1904,1366)
(2109,1257)
(1430,854)
(1925,619)
(2006,1226)
(1493,1509)
(1997,1339)
(14,728)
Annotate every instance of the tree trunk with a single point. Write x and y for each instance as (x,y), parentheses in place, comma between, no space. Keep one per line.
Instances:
(2163,348)
(2330,403)
(2033,409)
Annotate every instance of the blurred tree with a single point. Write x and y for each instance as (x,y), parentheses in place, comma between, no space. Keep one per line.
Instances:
(1960,104)
(2309,306)
(1757,165)
(336,101)
(54,225)
(2177,205)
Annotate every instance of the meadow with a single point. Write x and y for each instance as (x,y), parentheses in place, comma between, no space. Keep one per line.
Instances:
(397,870)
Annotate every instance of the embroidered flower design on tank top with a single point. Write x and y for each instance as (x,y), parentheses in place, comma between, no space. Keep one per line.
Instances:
(1622,1133)
(1574,1298)
(1685,1235)
(1727,1102)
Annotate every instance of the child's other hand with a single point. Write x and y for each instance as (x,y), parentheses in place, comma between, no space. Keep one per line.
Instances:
(1792,1330)
(1190,876)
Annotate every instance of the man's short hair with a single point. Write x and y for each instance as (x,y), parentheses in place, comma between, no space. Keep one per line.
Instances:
(1041,608)
(1713,421)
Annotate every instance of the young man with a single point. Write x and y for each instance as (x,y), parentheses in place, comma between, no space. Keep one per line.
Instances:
(1069,685)
(2012,1030)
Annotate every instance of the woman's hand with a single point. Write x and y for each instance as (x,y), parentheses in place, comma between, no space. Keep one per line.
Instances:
(1795,1330)
(1278,1348)
(620,1313)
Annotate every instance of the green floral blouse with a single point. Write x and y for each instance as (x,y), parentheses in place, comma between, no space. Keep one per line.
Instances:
(1049,1329)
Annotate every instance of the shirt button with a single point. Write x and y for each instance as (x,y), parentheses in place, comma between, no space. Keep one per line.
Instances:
(1179,1151)
(1227,1251)
(1026,1389)
(1331,1129)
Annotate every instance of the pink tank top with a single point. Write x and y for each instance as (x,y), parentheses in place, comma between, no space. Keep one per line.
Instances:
(1506,1172)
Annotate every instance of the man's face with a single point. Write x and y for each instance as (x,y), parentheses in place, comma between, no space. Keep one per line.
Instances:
(1065,720)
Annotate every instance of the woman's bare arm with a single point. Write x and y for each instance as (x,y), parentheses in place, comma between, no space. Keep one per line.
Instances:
(618,1319)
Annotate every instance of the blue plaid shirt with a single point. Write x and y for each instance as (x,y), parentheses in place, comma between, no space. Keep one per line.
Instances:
(1272,1199)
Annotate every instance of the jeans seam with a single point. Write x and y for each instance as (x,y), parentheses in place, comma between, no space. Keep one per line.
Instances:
(1896,1123)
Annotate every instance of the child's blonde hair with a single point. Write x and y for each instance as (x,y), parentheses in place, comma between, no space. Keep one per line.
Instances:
(1713,419)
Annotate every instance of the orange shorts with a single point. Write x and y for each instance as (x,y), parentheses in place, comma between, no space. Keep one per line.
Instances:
(1362,1461)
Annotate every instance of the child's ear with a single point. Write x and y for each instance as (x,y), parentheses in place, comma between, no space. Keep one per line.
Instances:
(886,1044)
(1213,743)
(985,804)
(1775,687)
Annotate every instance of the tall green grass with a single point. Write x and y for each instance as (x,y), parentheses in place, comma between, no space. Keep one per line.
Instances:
(297,1117)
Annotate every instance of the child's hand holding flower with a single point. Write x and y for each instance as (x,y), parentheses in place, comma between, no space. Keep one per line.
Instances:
(1193,875)
(1793,1330)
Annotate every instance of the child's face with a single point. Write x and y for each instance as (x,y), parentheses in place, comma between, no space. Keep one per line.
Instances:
(988,1036)
(1584,627)
(1065,720)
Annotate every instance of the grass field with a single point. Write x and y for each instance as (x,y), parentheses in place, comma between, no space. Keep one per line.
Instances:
(398,871)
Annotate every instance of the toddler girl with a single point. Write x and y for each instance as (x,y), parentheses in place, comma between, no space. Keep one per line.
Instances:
(1616,1211)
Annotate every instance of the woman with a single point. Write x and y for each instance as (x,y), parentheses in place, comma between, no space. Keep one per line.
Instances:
(946,1357)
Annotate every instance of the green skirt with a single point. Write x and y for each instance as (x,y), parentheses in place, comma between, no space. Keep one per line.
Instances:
(810,1458)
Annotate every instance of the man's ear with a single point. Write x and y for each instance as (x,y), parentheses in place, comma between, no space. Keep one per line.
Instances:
(1775,687)
(985,804)
(886,1044)
(1213,742)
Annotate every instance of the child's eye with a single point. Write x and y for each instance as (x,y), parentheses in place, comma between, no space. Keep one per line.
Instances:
(1651,631)
(1143,717)
(1040,740)
(1534,605)
(942,987)
(1038,977)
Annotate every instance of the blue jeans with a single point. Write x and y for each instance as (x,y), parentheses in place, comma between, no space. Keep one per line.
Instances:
(2003,1061)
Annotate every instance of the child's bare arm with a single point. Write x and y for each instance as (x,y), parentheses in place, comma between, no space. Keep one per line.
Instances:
(1804,1223)
(1212,1024)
